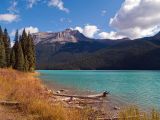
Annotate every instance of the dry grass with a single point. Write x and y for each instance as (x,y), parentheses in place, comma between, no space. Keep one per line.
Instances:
(28,90)
(133,113)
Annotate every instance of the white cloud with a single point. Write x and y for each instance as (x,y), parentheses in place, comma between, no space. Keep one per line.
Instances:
(65,20)
(137,18)
(103,12)
(52,3)
(31,3)
(8,17)
(110,35)
(29,29)
(88,30)
(79,29)
(59,4)
(12,8)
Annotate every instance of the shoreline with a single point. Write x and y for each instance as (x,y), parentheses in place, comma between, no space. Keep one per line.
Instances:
(40,101)
(109,107)
(109,104)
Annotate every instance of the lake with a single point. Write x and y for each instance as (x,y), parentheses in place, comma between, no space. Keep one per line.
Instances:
(136,87)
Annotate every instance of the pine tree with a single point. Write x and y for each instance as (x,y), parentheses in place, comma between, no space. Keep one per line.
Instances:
(26,64)
(14,53)
(19,58)
(34,52)
(12,58)
(24,42)
(6,41)
(2,54)
(1,33)
(31,53)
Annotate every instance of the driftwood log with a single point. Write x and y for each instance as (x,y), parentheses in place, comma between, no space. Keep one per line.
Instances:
(120,118)
(9,103)
(96,96)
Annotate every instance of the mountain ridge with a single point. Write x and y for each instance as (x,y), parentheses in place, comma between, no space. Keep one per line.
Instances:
(68,35)
(72,50)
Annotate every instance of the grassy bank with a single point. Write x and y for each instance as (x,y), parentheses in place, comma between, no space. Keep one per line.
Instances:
(30,93)
(38,104)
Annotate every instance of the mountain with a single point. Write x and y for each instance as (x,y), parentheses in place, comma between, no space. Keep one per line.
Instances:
(67,36)
(61,37)
(70,49)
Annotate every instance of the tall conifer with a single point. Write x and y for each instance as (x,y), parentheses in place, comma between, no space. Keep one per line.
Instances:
(24,43)
(1,32)
(12,58)
(6,41)
(2,55)
(31,53)
(19,58)
(26,64)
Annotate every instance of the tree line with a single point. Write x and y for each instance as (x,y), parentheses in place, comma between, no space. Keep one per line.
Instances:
(21,56)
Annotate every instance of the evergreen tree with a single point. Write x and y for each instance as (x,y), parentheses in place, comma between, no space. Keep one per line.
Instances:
(12,58)
(6,41)
(14,51)
(24,42)
(2,54)
(19,58)
(1,33)
(26,64)
(31,53)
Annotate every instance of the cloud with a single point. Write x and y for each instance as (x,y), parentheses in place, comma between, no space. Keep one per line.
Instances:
(65,20)
(52,3)
(31,3)
(13,7)
(103,12)
(137,18)
(79,29)
(8,17)
(88,30)
(59,4)
(29,29)
(92,31)
(110,35)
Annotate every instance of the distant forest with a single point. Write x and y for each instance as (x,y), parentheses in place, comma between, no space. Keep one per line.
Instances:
(139,54)
(21,56)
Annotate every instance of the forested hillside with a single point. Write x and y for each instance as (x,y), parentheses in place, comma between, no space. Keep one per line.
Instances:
(100,54)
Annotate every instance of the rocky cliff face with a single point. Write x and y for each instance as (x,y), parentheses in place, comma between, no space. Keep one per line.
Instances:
(68,35)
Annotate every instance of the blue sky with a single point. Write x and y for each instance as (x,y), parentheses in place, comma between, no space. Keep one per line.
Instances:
(94,18)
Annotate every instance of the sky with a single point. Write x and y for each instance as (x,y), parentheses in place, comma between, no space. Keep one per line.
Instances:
(105,19)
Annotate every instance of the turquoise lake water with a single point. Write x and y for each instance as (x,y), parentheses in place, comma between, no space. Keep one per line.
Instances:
(137,87)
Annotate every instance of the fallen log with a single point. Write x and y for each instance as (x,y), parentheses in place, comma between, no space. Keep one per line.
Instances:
(121,118)
(9,103)
(96,96)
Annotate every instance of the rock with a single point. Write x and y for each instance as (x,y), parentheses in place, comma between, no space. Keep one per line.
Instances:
(116,108)
(58,92)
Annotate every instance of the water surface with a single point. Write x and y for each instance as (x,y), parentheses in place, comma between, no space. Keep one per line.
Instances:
(136,87)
